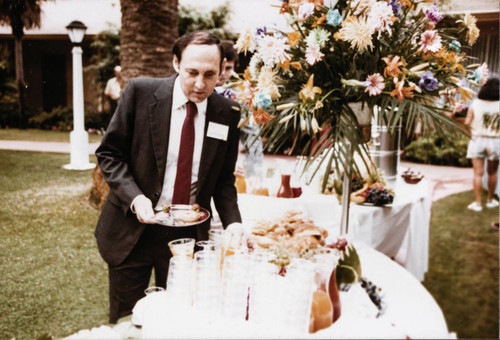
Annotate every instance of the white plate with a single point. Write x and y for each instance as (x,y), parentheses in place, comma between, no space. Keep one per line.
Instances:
(171,218)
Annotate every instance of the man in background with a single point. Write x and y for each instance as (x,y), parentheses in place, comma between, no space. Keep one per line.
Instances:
(113,91)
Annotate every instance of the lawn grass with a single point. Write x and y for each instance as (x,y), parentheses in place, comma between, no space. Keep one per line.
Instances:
(464,266)
(53,278)
(55,282)
(38,135)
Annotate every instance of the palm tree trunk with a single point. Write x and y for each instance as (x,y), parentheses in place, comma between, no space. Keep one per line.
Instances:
(149,29)
(21,86)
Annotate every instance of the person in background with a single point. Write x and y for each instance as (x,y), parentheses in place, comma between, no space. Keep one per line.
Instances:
(113,91)
(485,142)
(250,132)
(145,160)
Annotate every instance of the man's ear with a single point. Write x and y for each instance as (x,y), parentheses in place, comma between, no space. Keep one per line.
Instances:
(223,66)
(175,63)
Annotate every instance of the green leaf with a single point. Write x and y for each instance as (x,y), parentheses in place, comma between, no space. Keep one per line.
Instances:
(349,267)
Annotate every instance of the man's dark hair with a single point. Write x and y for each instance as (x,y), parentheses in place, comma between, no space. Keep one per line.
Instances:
(229,52)
(197,38)
(489,91)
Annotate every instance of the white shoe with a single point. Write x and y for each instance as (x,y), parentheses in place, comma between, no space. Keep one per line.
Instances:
(474,206)
(492,204)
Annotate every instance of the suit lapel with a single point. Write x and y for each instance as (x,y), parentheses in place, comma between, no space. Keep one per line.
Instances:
(159,117)
(209,144)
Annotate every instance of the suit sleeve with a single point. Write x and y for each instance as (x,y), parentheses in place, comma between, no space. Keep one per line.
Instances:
(225,195)
(113,154)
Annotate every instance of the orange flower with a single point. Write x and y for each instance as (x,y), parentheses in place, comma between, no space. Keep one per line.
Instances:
(319,21)
(392,68)
(285,65)
(247,75)
(296,65)
(402,92)
(261,116)
(285,8)
(293,38)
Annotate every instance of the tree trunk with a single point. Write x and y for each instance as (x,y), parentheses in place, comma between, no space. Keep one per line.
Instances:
(149,29)
(21,86)
(148,32)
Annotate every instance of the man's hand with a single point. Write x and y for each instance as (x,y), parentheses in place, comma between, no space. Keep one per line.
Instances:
(143,208)
(239,235)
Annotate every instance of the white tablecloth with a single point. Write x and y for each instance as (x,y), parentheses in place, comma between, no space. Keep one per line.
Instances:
(402,226)
(410,312)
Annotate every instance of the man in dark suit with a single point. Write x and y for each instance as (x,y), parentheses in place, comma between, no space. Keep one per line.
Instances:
(138,156)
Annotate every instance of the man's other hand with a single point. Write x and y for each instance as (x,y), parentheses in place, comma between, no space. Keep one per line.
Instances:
(143,209)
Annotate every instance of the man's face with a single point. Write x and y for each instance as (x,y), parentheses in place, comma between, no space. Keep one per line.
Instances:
(198,71)
(226,73)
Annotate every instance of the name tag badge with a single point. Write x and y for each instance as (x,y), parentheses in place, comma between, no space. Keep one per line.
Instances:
(217,131)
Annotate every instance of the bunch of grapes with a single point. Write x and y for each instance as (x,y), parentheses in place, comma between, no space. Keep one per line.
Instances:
(374,293)
(379,196)
(356,184)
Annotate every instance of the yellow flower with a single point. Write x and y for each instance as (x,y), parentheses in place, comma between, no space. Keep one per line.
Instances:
(266,83)
(293,38)
(465,93)
(472,30)
(392,68)
(245,42)
(308,90)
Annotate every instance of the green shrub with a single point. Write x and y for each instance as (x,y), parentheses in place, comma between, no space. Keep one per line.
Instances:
(439,150)
(60,118)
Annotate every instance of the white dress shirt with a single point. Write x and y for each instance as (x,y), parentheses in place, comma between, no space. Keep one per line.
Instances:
(179,101)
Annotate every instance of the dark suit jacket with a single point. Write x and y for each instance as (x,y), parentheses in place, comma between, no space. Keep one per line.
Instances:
(132,157)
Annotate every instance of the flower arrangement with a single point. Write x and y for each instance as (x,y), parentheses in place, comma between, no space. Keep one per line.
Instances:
(399,56)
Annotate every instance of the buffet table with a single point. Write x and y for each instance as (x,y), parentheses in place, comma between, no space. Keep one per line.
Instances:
(402,226)
(410,312)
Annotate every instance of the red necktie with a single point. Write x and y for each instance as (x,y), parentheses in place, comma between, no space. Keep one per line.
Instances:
(182,186)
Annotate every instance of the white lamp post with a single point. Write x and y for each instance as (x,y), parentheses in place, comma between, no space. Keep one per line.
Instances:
(79,138)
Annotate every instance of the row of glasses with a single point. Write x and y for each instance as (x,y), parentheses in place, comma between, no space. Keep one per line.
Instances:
(223,280)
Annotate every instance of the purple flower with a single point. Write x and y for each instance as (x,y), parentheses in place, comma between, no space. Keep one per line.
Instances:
(396,7)
(229,93)
(433,14)
(261,31)
(428,82)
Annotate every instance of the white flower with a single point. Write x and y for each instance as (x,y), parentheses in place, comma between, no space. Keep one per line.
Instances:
(318,36)
(313,54)
(254,66)
(272,50)
(380,18)
(305,10)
